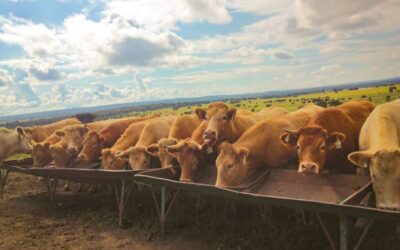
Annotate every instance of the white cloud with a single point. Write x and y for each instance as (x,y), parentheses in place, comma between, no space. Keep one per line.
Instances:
(5,78)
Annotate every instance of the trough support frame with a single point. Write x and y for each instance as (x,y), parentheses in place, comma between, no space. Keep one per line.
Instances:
(344,232)
(3,180)
(364,234)
(51,184)
(161,211)
(325,229)
(122,195)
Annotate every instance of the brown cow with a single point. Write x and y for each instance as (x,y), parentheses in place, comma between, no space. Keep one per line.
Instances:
(153,131)
(41,133)
(40,151)
(191,157)
(380,153)
(62,157)
(260,146)
(223,124)
(74,135)
(182,128)
(13,141)
(128,139)
(324,143)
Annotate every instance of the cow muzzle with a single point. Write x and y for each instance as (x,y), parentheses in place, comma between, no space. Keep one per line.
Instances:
(210,136)
(308,168)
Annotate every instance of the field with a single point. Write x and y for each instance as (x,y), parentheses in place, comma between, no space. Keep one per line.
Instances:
(376,95)
(28,220)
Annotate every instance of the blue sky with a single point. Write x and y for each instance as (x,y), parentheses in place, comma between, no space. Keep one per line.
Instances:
(57,54)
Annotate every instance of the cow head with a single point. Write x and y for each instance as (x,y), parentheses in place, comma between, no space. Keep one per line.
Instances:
(40,154)
(218,117)
(137,156)
(159,150)
(92,146)
(385,174)
(110,161)
(189,155)
(313,146)
(232,166)
(61,156)
(24,141)
(73,136)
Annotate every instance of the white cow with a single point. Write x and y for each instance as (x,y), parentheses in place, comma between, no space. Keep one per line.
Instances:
(13,141)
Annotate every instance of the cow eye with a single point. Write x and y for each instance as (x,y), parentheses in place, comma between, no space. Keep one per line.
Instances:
(229,166)
(224,118)
(298,147)
(323,148)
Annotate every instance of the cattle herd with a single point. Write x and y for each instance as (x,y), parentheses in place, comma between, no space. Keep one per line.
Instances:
(354,137)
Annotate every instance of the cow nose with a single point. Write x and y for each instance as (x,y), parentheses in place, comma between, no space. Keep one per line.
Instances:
(72,150)
(210,134)
(308,168)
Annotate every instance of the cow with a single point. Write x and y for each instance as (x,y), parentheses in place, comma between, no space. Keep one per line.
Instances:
(258,147)
(40,151)
(380,153)
(41,133)
(182,128)
(194,153)
(14,141)
(62,157)
(324,143)
(223,124)
(137,155)
(129,138)
(74,135)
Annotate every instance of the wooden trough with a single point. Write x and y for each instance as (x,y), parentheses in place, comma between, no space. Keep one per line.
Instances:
(332,193)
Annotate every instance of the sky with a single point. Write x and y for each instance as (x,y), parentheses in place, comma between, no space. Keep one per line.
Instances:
(58,54)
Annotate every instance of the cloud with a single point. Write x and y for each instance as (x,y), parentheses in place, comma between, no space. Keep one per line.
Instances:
(5,78)
(24,92)
(45,73)
(282,55)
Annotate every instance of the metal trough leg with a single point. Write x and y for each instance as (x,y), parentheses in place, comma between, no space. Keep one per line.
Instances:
(343,232)
(161,211)
(327,234)
(122,197)
(3,179)
(363,235)
(51,184)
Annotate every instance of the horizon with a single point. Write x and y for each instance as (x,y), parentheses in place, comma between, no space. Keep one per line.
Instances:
(57,55)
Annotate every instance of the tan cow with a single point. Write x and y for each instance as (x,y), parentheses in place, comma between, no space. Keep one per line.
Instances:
(62,157)
(41,133)
(95,140)
(193,154)
(223,124)
(323,145)
(74,135)
(13,141)
(182,128)
(260,146)
(380,152)
(40,151)
(137,156)
(129,138)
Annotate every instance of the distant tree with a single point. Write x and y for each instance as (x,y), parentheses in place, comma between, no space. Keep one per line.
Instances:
(392,89)
(363,96)
(85,117)
(387,98)
(334,102)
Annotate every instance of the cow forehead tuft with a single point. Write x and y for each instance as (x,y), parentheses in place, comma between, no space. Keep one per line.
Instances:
(313,130)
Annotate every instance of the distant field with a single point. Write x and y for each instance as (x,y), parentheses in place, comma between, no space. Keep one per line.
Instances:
(376,95)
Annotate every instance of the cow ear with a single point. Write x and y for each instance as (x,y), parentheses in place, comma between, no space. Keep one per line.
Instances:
(123,154)
(290,137)
(106,151)
(335,140)
(173,150)
(231,113)
(20,130)
(153,149)
(84,129)
(243,153)
(360,159)
(60,134)
(201,113)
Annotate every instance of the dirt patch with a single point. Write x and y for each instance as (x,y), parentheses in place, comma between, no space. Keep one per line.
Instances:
(28,220)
